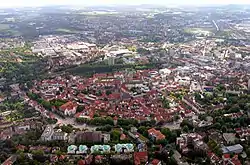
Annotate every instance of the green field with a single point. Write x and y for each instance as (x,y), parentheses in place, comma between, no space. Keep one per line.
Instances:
(5,28)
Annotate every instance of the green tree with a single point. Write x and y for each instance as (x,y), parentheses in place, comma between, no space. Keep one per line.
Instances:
(248,152)
(108,92)
(224,129)
(217,125)
(115,135)
(143,130)
(176,117)
(38,152)
(67,128)
(166,132)
(46,104)
(218,151)
(185,129)
(80,108)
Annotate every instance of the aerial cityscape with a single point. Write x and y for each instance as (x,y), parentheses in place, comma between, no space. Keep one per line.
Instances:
(125,84)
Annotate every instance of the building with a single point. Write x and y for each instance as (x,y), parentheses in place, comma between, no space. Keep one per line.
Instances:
(50,134)
(248,85)
(140,158)
(111,60)
(100,149)
(155,162)
(178,158)
(214,158)
(187,142)
(136,136)
(59,135)
(165,71)
(11,160)
(68,109)
(227,160)
(105,137)
(171,52)
(24,126)
(229,138)
(155,135)
(71,149)
(124,148)
(47,133)
(92,137)
(83,149)
(115,120)
(236,149)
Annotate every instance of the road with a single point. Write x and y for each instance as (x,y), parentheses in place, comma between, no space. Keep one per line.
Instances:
(217,28)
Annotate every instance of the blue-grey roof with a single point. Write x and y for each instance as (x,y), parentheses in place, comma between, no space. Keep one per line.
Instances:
(233,148)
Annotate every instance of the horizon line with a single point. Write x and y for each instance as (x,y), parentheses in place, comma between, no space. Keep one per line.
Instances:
(107,5)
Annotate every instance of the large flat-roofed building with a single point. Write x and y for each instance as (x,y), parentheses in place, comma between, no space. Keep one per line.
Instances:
(232,149)
(88,136)
(92,136)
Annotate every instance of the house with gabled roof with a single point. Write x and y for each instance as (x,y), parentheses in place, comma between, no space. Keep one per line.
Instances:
(155,134)
(68,109)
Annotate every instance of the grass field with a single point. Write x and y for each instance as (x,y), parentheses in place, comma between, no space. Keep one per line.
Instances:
(5,28)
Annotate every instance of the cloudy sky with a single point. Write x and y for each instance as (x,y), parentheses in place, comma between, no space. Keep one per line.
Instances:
(12,3)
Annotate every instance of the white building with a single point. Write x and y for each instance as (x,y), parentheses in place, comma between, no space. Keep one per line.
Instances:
(165,71)
(47,133)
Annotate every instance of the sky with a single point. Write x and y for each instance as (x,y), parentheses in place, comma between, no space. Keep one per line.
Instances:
(18,3)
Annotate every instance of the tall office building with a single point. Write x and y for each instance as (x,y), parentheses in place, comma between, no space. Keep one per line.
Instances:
(171,52)
(111,60)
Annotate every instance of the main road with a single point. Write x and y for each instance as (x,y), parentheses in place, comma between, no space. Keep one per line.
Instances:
(217,27)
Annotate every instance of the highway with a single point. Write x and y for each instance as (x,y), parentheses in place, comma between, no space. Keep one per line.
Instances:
(217,28)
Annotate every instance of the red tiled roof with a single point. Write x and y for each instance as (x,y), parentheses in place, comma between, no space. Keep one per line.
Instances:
(8,162)
(140,157)
(69,105)
(226,156)
(158,134)
(20,147)
(114,96)
(236,162)
(122,137)
(155,162)
(81,162)
(62,157)
(98,157)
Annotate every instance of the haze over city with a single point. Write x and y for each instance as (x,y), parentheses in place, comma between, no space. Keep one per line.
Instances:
(15,3)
